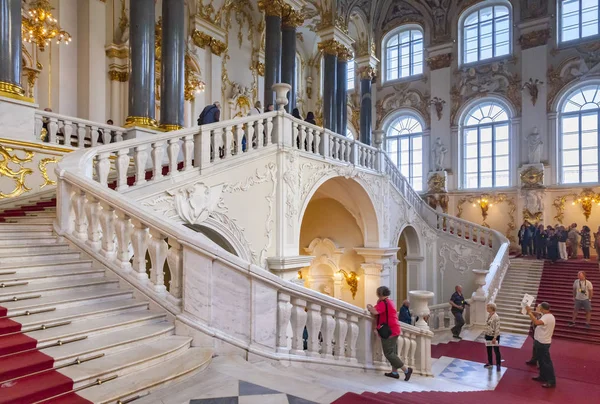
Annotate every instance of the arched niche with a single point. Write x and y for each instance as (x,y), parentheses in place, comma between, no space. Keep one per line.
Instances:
(409,263)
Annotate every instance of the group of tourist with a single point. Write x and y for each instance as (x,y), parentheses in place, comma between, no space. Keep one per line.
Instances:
(558,242)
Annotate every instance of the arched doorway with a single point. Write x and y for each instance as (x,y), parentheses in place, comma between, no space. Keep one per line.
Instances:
(408,262)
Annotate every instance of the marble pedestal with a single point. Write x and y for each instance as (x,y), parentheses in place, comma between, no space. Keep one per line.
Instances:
(17,119)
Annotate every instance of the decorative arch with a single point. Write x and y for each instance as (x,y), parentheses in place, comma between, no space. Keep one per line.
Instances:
(499,98)
(413,240)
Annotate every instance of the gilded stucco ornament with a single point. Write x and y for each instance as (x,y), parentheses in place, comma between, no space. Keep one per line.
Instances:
(586,199)
(367,72)
(329,47)
(532,177)
(436,184)
(18,175)
(203,40)
(439,61)
(403,97)
(118,75)
(532,87)
(534,38)
(486,201)
(44,170)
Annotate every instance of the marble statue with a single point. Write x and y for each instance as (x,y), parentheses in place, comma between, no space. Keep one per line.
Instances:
(534,144)
(534,201)
(439,153)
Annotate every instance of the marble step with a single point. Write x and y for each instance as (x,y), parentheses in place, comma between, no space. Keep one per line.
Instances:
(56,286)
(110,342)
(38,257)
(68,299)
(33,249)
(95,326)
(20,228)
(48,264)
(38,240)
(514,293)
(41,213)
(19,235)
(172,370)
(84,312)
(52,275)
(514,330)
(29,219)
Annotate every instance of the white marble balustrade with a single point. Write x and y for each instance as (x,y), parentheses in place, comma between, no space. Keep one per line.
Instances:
(442,319)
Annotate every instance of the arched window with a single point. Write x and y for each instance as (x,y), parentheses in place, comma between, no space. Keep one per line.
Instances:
(578,132)
(404,143)
(403,55)
(485,146)
(350,83)
(486,33)
(578,19)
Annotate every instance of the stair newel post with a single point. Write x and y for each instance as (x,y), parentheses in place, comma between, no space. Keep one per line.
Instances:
(175,261)
(103,168)
(81,132)
(122,167)
(422,354)
(124,230)
(352,338)
(157,249)
(298,319)
(173,153)
(92,211)
(341,329)
(188,152)
(157,160)
(284,312)
(140,157)
(239,137)
(328,329)
(139,242)
(107,224)
(78,201)
(313,326)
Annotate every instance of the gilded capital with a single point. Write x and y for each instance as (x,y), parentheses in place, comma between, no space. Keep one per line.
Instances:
(272,8)
(329,47)
(344,54)
(367,72)
(122,53)
(118,75)
(203,40)
(291,18)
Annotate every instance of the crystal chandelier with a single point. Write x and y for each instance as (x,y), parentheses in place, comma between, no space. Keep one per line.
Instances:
(40,27)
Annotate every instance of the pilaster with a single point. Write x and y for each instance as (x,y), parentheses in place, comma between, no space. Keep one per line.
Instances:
(376,269)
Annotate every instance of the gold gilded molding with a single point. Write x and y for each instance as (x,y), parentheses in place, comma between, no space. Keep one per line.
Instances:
(485,201)
(290,17)
(17,176)
(532,217)
(141,121)
(118,53)
(559,205)
(32,76)
(259,67)
(20,143)
(534,38)
(203,40)
(272,8)
(329,47)
(166,127)
(118,75)
(13,91)
(367,72)
(436,184)
(532,178)
(440,61)
(586,199)
(44,171)
(344,54)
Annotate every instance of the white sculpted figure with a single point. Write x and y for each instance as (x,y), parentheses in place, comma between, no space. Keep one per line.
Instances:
(439,153)
(195,203)
(534,201)
(534,143)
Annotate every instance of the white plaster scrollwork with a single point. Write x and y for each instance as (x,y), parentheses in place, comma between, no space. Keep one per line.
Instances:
(194,204)
(292,181)
(462,258)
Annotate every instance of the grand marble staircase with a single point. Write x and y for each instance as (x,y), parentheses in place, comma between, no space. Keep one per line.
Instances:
(64,317)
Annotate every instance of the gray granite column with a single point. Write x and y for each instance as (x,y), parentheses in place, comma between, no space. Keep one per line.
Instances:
(172,65)
(272,56)
(288,63)
(342,95)
(141,50)
(366,120)
(10,47)
(329,91)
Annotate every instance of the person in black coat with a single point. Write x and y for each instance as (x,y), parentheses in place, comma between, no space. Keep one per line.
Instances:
(552,245)
(540,242)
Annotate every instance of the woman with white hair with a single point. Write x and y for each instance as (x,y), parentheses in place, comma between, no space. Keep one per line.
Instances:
(492,337)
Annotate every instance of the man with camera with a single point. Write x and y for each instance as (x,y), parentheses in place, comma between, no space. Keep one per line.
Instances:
(582,294)
(542,341)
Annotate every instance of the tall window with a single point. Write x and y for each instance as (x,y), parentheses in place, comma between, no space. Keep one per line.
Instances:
(486,34)
(578,19)
(350,82)
(486,142)
(298,73)
(403,54)
(405,147)
(579,121)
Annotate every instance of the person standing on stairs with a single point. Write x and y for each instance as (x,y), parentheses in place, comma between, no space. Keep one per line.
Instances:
(540,242)
(492,334)
(586,241)
(458,303)
(552,246)
(542,341)
(597,243)
(563,235)
(389,330)
(583,290)
(573,240)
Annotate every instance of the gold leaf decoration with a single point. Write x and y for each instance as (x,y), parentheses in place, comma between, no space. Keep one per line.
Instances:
(17,176)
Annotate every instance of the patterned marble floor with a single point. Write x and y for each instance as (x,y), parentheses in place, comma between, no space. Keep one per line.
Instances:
(250,393)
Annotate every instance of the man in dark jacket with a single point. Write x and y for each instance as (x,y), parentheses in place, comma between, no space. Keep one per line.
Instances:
(210,114)
(405,315)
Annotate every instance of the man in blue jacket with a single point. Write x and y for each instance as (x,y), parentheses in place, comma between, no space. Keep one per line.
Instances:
(210,114)
(405,315)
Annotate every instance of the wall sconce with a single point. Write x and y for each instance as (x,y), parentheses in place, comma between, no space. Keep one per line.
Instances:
(299,274)
(587,199)
(352,281)
(484,204)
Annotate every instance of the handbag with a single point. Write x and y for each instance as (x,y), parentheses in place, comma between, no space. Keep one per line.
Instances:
(384,329)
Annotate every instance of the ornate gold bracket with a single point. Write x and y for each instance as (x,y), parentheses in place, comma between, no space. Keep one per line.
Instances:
(203,40)
(17,176)
(586,199)
(485,201)
(352,281)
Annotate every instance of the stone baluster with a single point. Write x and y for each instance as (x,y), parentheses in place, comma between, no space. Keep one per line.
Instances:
(79,201)
(327,332)
(313,325)
(413,350)
(157,158)
(284,312)
(317,141)
(124,230)
(52,131)
(402,347)
(298,319)
(122,167)
(139,242)
(301,136)
(228,149)
(173,153)
(441,318)
(260,130)
(93,136)
(250,136)
(103,168)
(377,350)
(118,136)
(175,261)
(268,138)
(217,143)
(188,152)
(39,124)
(310,138)
(352,338)
(67,132)
(341,329)
(81,132)
(92,212)
(157,249)
(107,224)
(140,157)
(239,136)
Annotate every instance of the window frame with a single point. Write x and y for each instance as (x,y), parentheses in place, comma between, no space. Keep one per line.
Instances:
(461,33)
(493,126)
(384,50)
(350,78)
(580,39)
(579,114)
(388,128)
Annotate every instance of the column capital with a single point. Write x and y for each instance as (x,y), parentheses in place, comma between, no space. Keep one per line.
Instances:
(291,18)
(344,54)
(329,47)
(118,75)
(367,72)
(271,8)
(332,39)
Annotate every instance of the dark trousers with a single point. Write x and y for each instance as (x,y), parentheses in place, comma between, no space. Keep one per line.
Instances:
(496,349)
(586,253)
(390,351)
(546,366)
(540,250)
(459,320)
